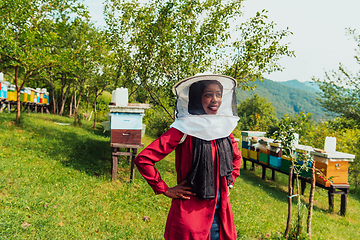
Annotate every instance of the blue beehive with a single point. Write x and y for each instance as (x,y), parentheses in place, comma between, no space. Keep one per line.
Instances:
(131,121)
(275,155)
(126,123)
(4,89)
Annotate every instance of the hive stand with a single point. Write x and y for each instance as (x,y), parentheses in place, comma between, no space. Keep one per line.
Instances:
(27,106)
(338,189)
(116,147)
(342,189)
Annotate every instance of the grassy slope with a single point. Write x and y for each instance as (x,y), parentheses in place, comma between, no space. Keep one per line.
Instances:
(57,179)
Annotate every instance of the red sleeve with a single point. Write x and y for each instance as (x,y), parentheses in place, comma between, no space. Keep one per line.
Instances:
(156,151)
(236,158)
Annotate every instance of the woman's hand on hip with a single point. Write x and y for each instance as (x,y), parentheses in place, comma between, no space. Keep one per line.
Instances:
(179,191)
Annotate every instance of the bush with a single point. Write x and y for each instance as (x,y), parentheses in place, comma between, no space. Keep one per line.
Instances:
(102,106)
(157,121)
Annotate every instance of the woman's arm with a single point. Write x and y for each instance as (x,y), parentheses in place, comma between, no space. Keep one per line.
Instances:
(156,151)
(236,158)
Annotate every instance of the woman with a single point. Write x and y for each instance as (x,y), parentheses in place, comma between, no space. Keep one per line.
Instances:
(207,159)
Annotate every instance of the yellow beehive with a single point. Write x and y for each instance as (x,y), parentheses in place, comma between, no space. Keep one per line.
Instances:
(25,96)
(245,137)
(253,152)
(245,153)
(32,95)
(46,98)
(11,95)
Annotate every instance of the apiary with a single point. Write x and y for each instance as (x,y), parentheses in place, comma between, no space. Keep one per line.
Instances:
(245,141)
(334,165)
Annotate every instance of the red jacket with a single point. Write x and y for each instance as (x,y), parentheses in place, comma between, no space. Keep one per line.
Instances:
(188,219)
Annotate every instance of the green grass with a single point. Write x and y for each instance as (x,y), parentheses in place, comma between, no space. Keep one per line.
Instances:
(55,183)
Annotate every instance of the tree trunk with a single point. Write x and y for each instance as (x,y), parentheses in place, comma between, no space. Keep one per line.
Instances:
(95,111)
(63,98)
(87,104)
(90,115)
(288,223)
(18,105)
(311,200)
(72,100)
(76,105)
(299,225)
(54,101)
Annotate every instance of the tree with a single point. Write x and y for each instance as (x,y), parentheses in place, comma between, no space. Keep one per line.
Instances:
(27,34)
(340,95)
(287,128)
(162,42)
(340,90)
(103,73)
(257,50)
(256,114)
(166,41)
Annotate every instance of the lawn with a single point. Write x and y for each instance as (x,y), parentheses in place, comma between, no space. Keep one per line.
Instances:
(55,183)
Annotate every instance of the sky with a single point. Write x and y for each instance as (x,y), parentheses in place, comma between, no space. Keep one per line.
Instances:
(319,37)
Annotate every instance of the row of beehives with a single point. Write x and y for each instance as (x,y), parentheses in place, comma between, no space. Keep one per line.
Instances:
(332,164)
(27,95)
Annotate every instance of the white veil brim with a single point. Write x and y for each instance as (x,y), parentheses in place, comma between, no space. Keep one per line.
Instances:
(207,127)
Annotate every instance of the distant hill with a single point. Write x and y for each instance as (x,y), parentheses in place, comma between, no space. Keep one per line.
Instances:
(288,97)
(306,86)
(313,85)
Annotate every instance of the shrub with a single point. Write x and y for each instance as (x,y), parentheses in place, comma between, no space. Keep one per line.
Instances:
(157,121)
(102,106)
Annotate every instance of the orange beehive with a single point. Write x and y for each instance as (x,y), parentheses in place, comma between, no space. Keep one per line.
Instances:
(333,166)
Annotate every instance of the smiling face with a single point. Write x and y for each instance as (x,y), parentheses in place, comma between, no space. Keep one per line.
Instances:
(211,98)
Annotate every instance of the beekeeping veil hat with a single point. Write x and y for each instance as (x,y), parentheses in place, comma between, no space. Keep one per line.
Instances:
(190,117)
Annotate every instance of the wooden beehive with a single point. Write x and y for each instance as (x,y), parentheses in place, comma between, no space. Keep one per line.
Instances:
(253,151)
(275,155)
(264,150)
(126,123)
(245,141)
(306,150)
(334,165)
(285,164)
